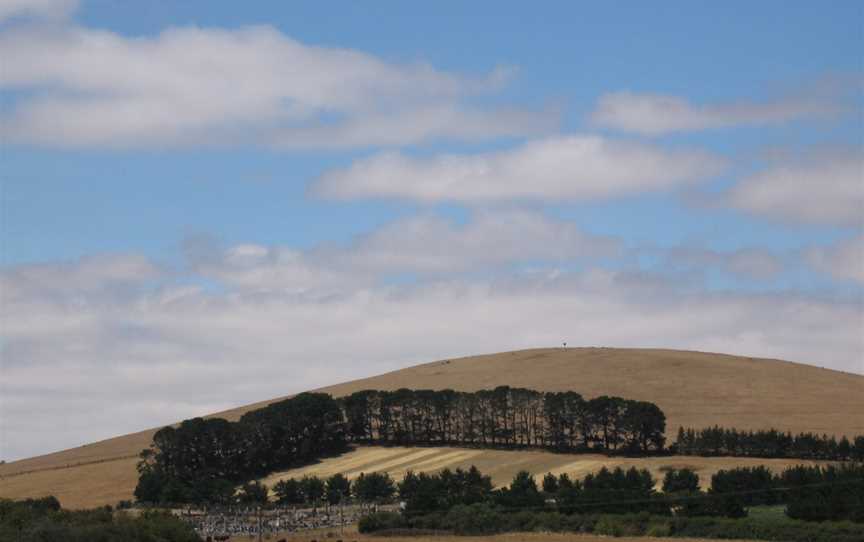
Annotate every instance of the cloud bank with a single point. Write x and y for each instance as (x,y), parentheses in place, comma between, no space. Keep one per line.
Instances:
(247,322)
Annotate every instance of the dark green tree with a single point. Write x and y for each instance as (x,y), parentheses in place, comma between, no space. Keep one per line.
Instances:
(312,488)
(288,492)
(681,481)
(338,489)
(374,487)
(550,484)
(254,493)
(522,493)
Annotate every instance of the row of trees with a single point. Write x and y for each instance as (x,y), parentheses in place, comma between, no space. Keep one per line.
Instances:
(813,493)
(809,493)
(202,460)
(722,441)
(606,491)
(505,417)
(312,491)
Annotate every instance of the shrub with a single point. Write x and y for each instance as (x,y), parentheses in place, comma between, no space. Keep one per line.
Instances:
(474,519)
(40,521)
(658,529)
(380,521)
(610,527)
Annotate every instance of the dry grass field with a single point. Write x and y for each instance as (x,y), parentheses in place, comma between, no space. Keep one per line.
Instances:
(692,388)
(502,465)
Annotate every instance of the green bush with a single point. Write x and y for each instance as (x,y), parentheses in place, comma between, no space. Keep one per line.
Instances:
(380,521)
(474,519)
(610,527)
(42,521)
(786,530)
(658,529)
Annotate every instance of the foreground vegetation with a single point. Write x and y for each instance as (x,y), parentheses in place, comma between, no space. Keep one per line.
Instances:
(42,520)
(480,519)
(811,504)
(820,504)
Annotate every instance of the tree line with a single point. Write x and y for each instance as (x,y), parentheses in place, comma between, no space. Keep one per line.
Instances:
(313,491)
(771,443)
(505,417)
(202,460)
(831,493)
(811,493)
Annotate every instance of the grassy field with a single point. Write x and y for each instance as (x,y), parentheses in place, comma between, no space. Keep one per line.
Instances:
(692,388)
(502,465)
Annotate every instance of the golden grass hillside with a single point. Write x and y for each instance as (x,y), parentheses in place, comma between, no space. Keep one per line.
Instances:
(692,388)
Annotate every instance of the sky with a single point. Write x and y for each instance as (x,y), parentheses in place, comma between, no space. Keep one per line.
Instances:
(204,205)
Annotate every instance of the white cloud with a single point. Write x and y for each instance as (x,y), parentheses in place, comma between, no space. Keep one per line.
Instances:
(249,86)
(50,9)
(826,190)
(844,260)
(751,262)
(86,276)
(569,168)
(161,357)
(282,270)
(425,245)
(492,238)
(654,114)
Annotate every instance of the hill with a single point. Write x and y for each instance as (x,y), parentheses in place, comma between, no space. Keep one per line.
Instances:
(693,389)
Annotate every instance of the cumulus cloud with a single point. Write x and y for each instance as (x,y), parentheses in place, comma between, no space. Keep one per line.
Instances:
(163,354)
(567,167)
(844,260)
(825,190)
(247,86)
(655,114)
(425,245)
(50,9)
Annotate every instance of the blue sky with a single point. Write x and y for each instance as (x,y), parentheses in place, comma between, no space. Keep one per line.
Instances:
(190,188)
(567,55)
